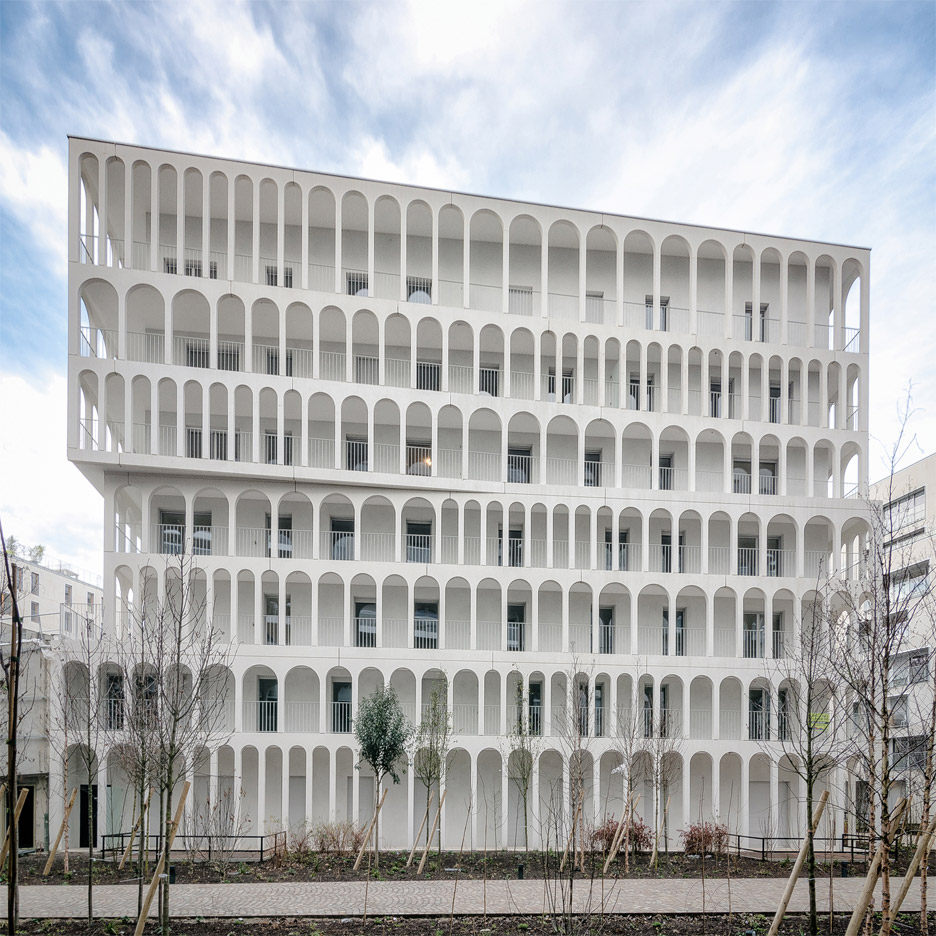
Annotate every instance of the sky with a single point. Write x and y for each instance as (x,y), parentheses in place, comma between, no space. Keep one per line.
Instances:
(815,120)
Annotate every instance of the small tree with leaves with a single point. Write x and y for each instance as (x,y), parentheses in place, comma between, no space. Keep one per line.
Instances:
(382,732)
(430,746)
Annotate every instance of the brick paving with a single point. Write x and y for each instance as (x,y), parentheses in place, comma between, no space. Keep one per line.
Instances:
(418,898)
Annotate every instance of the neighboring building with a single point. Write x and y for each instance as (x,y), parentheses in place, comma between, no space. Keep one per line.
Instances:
(411,435)
(909,518)
(53,601)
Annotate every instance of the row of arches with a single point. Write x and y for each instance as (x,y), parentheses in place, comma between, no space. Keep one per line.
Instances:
(390,348)
(426,439)
(479,531)
(514,615)
(267,226)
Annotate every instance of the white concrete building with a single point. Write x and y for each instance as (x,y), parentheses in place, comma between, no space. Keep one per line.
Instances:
(53,600)
(493,438)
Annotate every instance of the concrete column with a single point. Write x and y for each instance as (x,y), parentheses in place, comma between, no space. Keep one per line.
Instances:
(436,289)
(339,273)
(403,258)
(154,262)
(255,237)
(784,299)
(466,265)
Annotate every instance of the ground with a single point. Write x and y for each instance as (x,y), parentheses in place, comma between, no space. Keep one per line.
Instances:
(674,925)
(315,866)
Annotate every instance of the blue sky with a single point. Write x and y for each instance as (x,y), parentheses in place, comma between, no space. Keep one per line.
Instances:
(806,119)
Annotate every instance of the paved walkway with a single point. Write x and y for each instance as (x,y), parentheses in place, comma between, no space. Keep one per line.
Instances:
(419,898)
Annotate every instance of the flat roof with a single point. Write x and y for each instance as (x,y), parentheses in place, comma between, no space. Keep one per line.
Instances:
(430,188)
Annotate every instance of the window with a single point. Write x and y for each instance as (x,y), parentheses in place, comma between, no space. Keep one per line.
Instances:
(514,547)
(426,625)
(418,289)
(666,472)
(909,753)
(758,715)
(623,537)
(266,703)
(34,583)
(911,667)
(269,447)
(356,454)
(680,630)
(428,375)
(516,632)
(341,707)
(418,542)
(567,382)
(593,469)
(356,282)
(228,355)
(271,620)
(90,597)
(775,556)
(113,701)
(170,265)
(218,443)
(756,332)
(365,624)
(519,465)
(908,585)
(34,611)
(774,403)
(68,594)
(489,380)
(271,276)
(905,511)
(193,442)
(606,630)
(754,637)
(741,477)
(285,538)
(342,538)
(768,478)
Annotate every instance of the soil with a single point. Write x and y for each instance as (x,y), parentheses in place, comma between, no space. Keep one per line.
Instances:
(318,866)
(673,925)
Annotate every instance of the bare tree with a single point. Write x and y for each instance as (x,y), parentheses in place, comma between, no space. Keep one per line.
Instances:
(521,751)
(872,609)
(662,748)
(13,686)
(809,694)
(430,744)
(629,739)
(80,716)
(177,664)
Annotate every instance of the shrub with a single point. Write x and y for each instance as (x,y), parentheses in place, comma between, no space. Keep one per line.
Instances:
(641,835)
(602,836)
(705,838)
(337,837)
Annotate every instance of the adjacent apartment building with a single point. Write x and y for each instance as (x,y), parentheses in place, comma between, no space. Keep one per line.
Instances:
(908,519)
(426,439)
(55,602)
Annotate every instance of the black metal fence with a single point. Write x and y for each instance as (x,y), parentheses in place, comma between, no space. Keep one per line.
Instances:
(853,846)
(201,847)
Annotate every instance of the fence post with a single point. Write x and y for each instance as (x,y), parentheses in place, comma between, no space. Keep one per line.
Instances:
(261,849)
(763,849)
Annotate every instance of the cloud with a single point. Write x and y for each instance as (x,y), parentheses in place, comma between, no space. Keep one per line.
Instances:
(34,189)
(813,121)
(45,500)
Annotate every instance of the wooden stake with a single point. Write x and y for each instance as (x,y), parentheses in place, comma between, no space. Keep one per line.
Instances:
(20,803)
(797,867)
(867,892)
(370,828)
(923,845)
(151,893)
(137,825)
(435,823)
(422,825)
(458,866)
(61,832)
(619,834)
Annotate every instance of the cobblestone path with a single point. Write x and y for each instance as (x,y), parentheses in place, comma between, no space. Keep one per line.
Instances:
(417,898)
